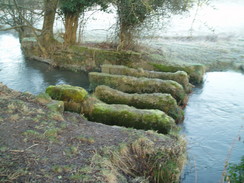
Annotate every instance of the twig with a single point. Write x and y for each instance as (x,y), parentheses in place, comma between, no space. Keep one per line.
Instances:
(230,153)
(21,151)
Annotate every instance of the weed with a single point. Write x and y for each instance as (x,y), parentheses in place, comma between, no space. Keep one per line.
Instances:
(63,125)
(7,176)
(40,111)
(1,119)
(56,116)
(12,106)
(3,148)
(143,159)
(235,172)
(78,177)
(33,134)
(52,134)
(84,139)
(14,117)
(24,108)
(72,151)
(57,169)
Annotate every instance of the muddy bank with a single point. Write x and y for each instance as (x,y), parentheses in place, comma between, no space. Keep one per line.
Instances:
(40,143)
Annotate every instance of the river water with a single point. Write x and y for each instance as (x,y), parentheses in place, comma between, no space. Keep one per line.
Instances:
(214,116)
(28,76)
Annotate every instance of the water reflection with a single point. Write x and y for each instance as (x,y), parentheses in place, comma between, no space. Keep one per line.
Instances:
(30,76)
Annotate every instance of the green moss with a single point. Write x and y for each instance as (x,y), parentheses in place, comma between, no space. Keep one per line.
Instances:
(123,115)
(138,85)
(67,93)
(101,56)
(196,72)
(163,102)
(180,77)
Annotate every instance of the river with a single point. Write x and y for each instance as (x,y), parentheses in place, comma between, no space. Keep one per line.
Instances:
(214,116)
(27,76)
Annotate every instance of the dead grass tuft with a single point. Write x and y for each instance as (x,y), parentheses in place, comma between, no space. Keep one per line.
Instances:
(143,159)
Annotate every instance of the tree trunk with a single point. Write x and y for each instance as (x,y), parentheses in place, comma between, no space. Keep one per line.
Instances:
(71,25)
(126,40)
(50,7)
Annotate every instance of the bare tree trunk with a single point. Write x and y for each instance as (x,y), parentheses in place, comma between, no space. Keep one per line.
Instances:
(71,26)
(126,39)
(125,32)
(50,7)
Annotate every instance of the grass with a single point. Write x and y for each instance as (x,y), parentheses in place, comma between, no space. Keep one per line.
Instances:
(83,139)
(29,134)
(52,134)
(143,159)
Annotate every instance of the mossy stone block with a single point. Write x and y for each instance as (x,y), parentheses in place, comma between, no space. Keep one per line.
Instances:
(67,93)
(180,77)
(196,72)
(123,115)
(163,102)
(130,84)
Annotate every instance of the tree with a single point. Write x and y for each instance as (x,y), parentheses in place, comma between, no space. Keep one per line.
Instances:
(19,15)
(72,11)
(50,7)
(133,13)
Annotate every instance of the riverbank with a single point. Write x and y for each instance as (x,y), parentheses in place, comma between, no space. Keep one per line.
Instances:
(90,57)
(41,144)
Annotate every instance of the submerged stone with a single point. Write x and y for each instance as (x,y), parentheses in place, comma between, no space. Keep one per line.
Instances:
(163,102)
(180,77)
(67,93)
(130,84)
(196,72)
(123,115)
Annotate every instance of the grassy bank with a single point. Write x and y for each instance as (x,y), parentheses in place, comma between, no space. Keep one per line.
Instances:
(42,144)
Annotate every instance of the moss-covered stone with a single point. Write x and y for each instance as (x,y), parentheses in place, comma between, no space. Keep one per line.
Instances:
(138,85)
(196,72)
(67,93)
(180,76)
(87,58)
(123,115)
(163,102)
(101,56)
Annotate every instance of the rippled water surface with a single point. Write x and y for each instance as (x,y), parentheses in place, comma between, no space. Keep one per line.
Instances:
(214,126)
(31,76)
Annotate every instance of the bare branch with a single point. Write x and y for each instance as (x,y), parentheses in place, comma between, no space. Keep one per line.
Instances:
(18,27)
